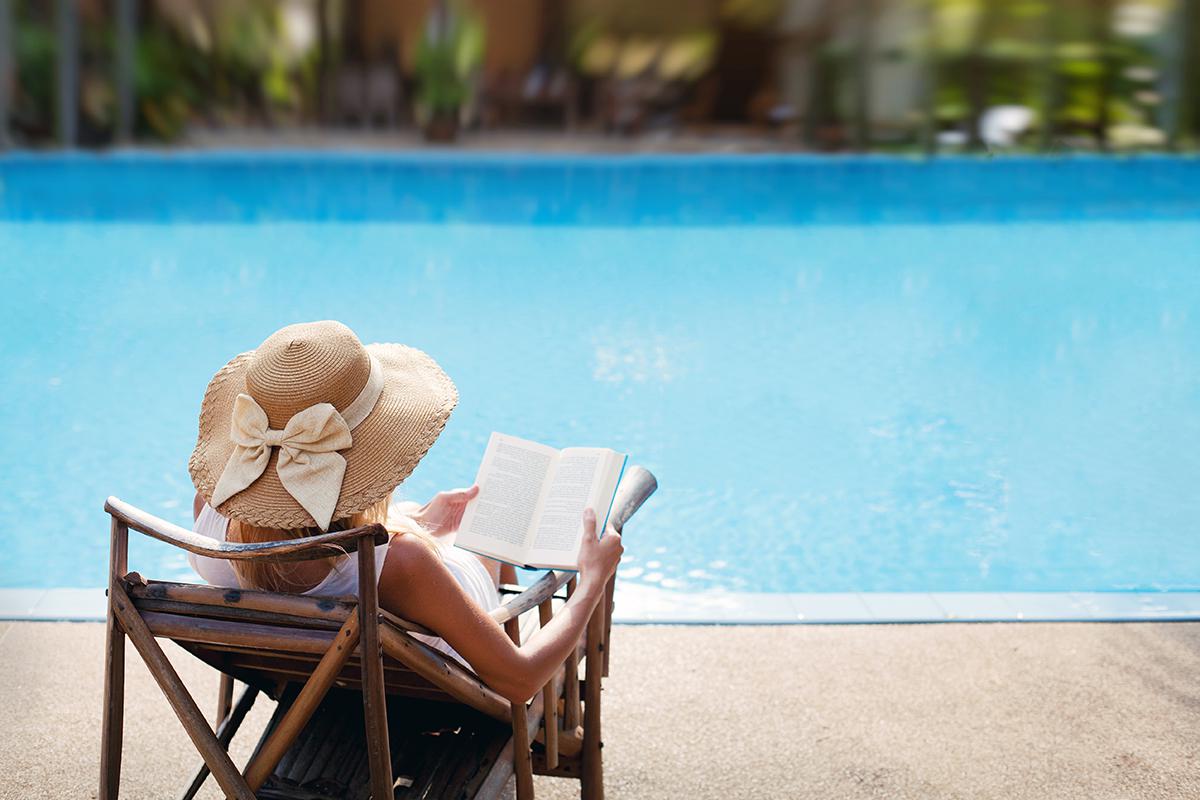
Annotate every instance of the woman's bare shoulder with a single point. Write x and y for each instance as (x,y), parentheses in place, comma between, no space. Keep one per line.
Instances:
(408,555)
(413,572)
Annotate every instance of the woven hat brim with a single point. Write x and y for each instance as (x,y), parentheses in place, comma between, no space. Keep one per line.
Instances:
(412,410)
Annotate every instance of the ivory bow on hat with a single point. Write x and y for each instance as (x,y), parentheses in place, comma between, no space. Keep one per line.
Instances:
(309,466)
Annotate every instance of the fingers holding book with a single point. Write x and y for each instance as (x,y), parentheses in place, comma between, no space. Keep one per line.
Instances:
(598,557)
(444,513)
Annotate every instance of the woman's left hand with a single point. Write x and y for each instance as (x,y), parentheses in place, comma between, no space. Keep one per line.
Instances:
(443,514)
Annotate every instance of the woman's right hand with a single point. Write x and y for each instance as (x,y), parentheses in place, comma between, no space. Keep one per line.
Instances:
(598,557)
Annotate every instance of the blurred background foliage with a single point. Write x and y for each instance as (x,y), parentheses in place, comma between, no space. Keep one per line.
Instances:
(823,74)
(448,53)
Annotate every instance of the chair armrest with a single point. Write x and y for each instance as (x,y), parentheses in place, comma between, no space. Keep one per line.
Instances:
(305,549)
(532,597)
(636,487)
(516,588)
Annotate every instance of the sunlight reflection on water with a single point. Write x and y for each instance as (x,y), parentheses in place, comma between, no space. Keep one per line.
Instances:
(845,408)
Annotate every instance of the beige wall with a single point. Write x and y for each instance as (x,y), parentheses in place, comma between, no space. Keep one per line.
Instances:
(396,22)
(514,30)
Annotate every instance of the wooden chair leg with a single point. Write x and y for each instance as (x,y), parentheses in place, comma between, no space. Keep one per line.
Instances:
(224,699)
(225,733)
(522,762)
(379,752)
(112,731)
(185,707)
(608,612)
(592,774)
(549,698)
(571,710)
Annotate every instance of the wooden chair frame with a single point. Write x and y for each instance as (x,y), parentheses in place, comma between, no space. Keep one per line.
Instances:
(261,634)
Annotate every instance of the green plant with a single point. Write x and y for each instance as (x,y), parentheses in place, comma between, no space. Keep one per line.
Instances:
(440,87)
(447,56)
(166,82)
(35,50)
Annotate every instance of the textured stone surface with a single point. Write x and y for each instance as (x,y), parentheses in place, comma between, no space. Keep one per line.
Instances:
(1003,711)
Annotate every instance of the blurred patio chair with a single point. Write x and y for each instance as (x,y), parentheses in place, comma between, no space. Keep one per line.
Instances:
(382,94)
(542,93)
(348,89)
(644,81)
(364,708)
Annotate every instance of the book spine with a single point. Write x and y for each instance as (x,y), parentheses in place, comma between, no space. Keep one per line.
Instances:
(608,513)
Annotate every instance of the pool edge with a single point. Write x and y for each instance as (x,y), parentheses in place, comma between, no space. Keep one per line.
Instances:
(641,605)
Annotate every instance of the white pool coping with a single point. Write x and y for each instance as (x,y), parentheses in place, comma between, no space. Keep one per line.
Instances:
(646,605)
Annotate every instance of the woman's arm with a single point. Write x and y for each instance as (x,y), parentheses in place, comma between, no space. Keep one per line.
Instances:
(416,585)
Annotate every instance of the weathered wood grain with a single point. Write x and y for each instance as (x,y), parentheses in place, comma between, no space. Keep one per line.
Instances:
(539,591)
(114,671)
(185,707)
(592,776)
(549,697)
(571,710)
(306,549)
(374,696)
(522,765)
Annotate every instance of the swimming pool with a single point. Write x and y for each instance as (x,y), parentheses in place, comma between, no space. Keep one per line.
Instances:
(850,375)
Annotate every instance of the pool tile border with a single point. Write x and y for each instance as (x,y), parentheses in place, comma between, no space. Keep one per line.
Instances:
(642,605)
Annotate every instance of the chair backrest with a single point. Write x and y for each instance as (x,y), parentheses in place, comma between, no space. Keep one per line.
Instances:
(268,639)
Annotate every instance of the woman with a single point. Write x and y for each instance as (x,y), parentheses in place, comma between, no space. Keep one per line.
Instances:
(312,432)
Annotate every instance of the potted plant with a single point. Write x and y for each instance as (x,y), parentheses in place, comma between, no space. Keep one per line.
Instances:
(447,57)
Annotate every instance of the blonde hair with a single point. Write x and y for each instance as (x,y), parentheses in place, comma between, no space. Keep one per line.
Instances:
(279,576)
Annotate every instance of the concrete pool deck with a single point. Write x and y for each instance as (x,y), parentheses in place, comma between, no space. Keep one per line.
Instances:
(1005,711)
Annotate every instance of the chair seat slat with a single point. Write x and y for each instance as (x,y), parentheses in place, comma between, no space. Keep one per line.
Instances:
(329,609)
(243,634)
(334,609)
(195,611)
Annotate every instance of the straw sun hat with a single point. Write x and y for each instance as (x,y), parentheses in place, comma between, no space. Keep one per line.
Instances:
(313,426)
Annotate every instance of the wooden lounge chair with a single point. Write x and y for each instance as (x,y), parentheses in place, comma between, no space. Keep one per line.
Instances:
(360,700)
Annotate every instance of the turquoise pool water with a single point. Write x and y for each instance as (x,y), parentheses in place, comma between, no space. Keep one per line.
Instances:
(885,376)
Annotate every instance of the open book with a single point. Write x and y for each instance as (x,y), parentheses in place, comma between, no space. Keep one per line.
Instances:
(529,510)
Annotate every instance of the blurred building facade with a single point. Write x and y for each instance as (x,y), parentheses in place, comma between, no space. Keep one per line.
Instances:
(822,74)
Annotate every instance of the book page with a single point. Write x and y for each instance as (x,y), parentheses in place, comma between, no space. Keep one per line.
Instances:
(561,520)
(510,480)
(583,477)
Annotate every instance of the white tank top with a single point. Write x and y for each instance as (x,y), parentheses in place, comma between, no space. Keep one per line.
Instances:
(342,580)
